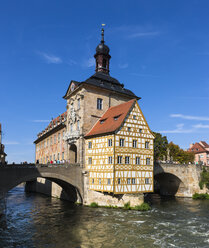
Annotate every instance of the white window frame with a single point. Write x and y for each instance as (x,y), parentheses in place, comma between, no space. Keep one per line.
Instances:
(138,161)
(90,145)
(122,141)
(99,103)
(134,143)
(110,160)
(119,159)
(127,159)
(109,142)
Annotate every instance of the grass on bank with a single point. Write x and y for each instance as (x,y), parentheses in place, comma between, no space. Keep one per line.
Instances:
(197,196)
(143,207)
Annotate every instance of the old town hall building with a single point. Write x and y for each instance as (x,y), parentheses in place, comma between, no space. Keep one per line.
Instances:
(104,131)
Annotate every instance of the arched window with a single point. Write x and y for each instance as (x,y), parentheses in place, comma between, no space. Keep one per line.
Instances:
(104,63)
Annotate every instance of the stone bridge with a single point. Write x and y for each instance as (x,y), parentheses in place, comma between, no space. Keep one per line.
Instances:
(177,179)
(68,177)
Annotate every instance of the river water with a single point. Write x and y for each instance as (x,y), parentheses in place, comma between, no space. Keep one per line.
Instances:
(34,220)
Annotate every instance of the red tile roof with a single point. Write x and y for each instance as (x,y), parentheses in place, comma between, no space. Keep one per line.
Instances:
(204,144)
(198,148)
(112,119)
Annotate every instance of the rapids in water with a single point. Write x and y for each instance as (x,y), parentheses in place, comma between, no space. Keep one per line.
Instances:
(34,220)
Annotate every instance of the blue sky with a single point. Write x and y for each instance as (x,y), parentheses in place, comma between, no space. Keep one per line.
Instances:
(159,49)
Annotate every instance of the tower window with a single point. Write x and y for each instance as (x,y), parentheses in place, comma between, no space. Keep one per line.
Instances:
(99,103)
(104,63)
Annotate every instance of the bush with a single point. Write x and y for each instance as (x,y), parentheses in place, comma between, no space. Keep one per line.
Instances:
(204,179)
(94,205)
(143,207)
(197,196)
(127,206)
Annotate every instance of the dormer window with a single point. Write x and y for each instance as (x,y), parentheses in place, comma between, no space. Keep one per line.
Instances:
(102,121)
(116,117)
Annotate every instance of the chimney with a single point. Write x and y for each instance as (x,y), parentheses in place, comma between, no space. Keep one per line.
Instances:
(191,145)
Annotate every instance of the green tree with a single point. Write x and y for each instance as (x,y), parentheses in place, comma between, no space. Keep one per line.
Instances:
(160,146)
(179,155)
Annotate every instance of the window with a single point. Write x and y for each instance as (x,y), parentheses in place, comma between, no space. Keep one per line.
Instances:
(121,142)
(54,139)
(90,160)
(137,160)
(50,158)
(63,155)
(147,161)
(134,117)
(100,181)
(104,63)
(92,180)
(108,181)
(79,103)
(51,141)
(146,180)
(54,156)
(133,180)
(58,137)
(116,117)
(47,142)
(147,145)
(119,159)
(58,156)
(90,145)
(109,160)
(127,160)
(63,133)
(102,121)
(134,143)
(99,103)
(140,130)
(109,142)
(44,144)
(71,127)
(128,180)
(118,180)
(129,129)
(78,125)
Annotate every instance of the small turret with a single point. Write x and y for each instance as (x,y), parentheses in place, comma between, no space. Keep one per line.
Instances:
(102,56)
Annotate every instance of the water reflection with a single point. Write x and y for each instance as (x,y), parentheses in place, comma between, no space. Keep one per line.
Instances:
(34,220)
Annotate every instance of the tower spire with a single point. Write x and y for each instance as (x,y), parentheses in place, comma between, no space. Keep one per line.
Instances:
(102,55)
(102,34)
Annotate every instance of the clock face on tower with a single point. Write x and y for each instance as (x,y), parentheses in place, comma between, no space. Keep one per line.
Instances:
(72,87)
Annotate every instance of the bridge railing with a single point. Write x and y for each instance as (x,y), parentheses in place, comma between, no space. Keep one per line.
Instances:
(63,165)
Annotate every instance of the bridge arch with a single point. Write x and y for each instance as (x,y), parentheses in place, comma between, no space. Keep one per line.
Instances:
(69,179)
(168,184)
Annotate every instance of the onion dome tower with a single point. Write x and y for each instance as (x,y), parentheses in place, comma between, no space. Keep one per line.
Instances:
(102,56)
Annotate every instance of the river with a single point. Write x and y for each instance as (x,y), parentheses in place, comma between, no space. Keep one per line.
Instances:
(34,220)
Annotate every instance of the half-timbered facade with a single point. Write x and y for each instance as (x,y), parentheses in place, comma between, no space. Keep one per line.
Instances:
(119,151)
